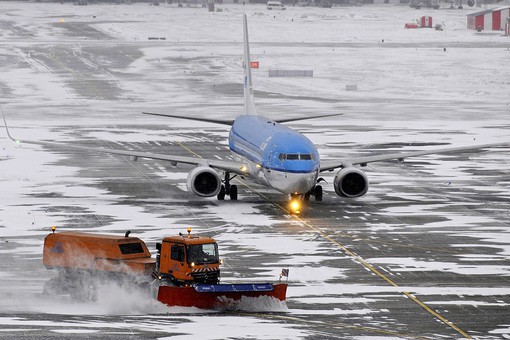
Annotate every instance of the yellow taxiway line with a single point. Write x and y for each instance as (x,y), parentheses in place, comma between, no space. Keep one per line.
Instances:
(384,277)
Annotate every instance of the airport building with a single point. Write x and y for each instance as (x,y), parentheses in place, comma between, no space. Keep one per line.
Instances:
(491,19)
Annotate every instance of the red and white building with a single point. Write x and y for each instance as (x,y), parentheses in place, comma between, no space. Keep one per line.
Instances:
(492,19)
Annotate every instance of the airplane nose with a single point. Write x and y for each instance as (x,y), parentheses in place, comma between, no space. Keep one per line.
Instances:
(303,182)
(302,166)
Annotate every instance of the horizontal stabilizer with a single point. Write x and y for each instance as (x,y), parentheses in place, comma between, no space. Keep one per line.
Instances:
(228,122)
(288,120)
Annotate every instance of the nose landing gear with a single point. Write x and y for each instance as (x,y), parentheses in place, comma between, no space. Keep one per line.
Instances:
(297,200)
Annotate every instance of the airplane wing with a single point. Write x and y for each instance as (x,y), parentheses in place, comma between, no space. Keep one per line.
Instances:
(400,156)
(231,166)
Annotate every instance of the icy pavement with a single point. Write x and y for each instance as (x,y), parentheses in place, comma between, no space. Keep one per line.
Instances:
(425,254)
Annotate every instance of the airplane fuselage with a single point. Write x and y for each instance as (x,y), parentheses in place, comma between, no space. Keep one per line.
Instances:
(281,158)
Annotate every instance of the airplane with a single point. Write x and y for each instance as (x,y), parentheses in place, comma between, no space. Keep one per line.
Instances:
(268,152)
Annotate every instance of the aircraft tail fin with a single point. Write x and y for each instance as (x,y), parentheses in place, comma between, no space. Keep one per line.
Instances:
(249,104)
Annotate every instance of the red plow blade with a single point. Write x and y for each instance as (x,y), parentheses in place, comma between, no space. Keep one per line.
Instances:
(219,296)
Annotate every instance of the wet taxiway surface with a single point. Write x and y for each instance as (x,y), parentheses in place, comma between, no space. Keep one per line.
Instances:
(425,254)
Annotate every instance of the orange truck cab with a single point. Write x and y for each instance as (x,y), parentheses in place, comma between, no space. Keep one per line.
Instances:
(188,259)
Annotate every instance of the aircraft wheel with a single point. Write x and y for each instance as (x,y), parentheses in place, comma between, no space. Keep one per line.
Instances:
(221,194)
(233,192)
(318,193)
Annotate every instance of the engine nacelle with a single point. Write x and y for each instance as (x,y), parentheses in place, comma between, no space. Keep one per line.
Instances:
(351,182)
(203,181)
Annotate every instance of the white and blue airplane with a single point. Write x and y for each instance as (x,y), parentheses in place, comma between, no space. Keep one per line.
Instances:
(269,153)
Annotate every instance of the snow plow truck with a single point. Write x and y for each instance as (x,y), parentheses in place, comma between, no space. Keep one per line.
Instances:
(185,272)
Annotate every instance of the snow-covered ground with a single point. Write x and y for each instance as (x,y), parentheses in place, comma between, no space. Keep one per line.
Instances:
(437,227)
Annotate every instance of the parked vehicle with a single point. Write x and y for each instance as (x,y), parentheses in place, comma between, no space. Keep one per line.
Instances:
(276,5)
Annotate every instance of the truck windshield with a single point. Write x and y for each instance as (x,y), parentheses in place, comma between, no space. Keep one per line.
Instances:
(203,253)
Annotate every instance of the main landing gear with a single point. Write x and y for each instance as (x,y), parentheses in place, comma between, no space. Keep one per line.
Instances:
(316,192)
(228,189)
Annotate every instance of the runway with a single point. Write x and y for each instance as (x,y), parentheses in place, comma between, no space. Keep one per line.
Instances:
(424,255)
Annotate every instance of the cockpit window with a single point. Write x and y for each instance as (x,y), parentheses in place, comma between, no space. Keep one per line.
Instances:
(295,156)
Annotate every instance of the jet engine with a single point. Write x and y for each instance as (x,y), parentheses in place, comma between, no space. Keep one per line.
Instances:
(351,182)
(203,181)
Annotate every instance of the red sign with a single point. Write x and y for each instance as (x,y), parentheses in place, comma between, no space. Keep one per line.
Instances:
(254,64)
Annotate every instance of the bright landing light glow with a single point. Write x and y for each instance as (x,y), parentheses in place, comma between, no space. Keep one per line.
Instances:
(295,207)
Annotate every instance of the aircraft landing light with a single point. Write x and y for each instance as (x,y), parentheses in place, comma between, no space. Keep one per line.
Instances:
(295,207)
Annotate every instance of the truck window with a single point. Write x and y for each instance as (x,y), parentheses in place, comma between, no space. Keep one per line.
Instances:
(203,253)
(131,248)
(177,253)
